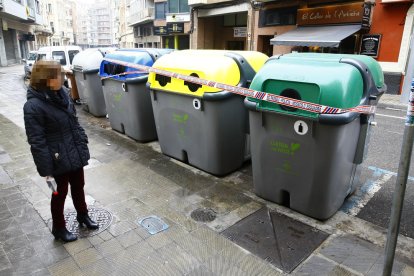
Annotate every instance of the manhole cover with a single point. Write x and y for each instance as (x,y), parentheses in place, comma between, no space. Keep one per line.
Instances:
(99,215)
(153,224)
(203,215)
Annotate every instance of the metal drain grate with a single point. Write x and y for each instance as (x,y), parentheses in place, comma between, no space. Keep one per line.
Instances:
(153,224)
(101,216)
(203,215)
(276,238)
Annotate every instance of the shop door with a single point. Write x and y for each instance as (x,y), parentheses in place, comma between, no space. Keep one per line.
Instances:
(235,45)
(264,45)
(10,47)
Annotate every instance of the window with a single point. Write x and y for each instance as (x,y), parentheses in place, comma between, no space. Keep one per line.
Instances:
(59,56)
(49,8)
(72,54)
(160,9)
(235,20)
(274,17)
(177,6)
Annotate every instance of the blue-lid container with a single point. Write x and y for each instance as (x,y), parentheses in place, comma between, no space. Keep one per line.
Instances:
(126,55)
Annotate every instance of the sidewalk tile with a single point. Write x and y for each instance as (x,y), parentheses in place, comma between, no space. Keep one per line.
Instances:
(15,243)
(316,266)
(201,271)
(120,228)
(65,267)
(98,268)
(21,254)
(109,247)
(158,240)
(77,246)
(219,264)
(129,238)
(87,257)
(182,260)
(53,255)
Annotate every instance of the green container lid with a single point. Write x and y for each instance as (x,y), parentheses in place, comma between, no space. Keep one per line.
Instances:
(315,78)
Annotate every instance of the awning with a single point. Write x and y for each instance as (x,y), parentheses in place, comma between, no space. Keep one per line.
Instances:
(323,36)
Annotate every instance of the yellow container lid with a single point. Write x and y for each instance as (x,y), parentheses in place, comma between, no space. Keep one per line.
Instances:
(211,65)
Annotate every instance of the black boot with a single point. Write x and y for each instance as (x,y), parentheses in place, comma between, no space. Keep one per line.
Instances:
(85,219)
(63,234)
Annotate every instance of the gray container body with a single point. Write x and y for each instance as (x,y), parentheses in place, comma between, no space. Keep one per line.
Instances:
(90,92)
(311,173)
(209,134)
(129,108)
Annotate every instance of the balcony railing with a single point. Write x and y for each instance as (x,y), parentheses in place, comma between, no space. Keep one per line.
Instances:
(142,16)
(31,13)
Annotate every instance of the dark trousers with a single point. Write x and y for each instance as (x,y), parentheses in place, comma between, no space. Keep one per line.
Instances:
(77,182)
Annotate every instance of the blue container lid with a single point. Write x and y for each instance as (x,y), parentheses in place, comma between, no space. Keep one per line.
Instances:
(127,55)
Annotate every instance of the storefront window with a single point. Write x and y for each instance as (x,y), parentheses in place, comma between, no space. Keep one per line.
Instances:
(275,17)
(178,6)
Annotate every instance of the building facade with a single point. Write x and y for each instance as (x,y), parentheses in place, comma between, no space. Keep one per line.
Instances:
(125,32)
(172,22)
(389,39)
(18,19)
(219,24)
(141,19)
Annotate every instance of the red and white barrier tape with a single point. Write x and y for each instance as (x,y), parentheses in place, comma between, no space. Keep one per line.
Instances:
(303,105)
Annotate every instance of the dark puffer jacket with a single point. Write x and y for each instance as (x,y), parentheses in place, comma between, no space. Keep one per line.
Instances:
(57,141)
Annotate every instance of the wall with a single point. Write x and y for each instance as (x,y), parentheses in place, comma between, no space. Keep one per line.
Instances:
(389,20)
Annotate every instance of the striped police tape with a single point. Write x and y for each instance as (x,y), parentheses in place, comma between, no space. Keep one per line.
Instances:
(246,92)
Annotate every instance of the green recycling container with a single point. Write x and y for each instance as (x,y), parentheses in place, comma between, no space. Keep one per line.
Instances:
(204,126)
(307,161)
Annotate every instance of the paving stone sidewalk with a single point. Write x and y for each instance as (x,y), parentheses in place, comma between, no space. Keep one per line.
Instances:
(133,180)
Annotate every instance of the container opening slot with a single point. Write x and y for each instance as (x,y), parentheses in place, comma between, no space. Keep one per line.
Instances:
(192,86)
(162,80)
(114,69)
(290,93)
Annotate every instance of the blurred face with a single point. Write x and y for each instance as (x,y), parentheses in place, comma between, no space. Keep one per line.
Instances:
(47,75)
(55,84)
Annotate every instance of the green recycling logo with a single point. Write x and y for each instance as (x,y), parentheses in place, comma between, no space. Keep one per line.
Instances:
(281,147)
(180,118)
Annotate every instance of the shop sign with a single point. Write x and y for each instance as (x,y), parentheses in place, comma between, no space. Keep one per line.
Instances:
(175,28)
(176,17)
(348,13)
(160,30)
(366,17)
(240,32)
(26,37)
(370,44)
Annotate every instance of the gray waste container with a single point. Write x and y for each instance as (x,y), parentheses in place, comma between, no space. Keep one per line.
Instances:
(85,67)
(204,126)
(306,161)
(127,99)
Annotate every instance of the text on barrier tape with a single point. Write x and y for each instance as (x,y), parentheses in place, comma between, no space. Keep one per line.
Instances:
(285,101)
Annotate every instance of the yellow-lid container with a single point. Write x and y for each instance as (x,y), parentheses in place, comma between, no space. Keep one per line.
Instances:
(211,65)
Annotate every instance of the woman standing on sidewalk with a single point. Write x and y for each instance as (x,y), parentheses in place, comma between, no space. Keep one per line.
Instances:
(57,142)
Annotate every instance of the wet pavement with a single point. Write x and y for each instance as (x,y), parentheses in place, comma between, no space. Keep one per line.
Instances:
(132,181)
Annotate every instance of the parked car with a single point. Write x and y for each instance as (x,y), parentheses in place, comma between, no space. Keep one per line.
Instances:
(63,54)
(28,62)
